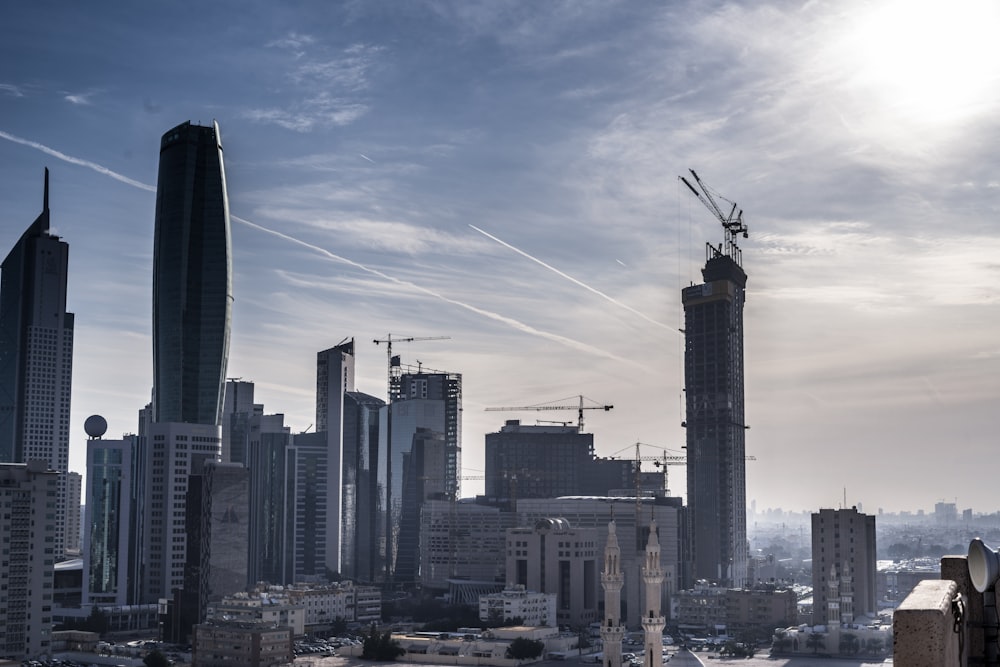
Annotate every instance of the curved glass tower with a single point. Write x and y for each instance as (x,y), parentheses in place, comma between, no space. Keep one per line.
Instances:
(192,278)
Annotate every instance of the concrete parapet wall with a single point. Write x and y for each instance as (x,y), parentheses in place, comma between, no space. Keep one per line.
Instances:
(924,627)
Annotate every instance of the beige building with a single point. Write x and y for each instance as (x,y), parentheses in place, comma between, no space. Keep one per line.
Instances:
(554,557)
(220,643)
(28,493)
(843,540)
(514,602)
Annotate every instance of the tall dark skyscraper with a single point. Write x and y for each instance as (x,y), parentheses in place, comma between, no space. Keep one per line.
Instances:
(192,278)
(36,357)
(713,379)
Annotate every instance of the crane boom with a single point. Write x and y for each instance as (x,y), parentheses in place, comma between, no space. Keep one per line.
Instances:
(732,223)
(579,408)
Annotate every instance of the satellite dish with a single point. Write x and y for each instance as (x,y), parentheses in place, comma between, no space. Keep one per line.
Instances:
(95,426)
(984,565)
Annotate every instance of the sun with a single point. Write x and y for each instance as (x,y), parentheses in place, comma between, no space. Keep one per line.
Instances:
(932,61)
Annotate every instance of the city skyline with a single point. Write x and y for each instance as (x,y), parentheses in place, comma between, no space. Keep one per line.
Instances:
(506,175)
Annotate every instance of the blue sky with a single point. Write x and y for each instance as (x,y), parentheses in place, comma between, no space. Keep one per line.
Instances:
(397,167)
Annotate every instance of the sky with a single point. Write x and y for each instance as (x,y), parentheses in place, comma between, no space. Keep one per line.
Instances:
(505,174)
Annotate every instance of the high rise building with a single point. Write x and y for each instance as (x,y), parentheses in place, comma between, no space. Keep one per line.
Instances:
(528,461)
(192,278)
(360,506)
(237,412)
(36,357)
(271,503)
(843,551)
(334,378)
(172,453)
(426,409)
(27,567)
(713,378)
(107,550)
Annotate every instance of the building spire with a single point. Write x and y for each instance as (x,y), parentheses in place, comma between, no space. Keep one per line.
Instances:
(45,196)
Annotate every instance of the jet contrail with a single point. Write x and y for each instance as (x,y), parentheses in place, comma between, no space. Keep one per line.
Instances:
(367,158)
(509,321)
(75,160)
(574,280)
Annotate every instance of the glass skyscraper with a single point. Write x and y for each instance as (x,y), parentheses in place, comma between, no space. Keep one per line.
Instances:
(192,277)
(36,358)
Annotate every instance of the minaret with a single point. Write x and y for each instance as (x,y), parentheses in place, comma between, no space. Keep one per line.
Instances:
(612,629)
(846,594)
(652,618)
(833,599)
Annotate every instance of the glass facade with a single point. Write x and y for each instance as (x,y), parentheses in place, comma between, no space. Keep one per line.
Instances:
(192,278)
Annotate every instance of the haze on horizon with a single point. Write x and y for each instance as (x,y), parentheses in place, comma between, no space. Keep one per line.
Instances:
(505,173)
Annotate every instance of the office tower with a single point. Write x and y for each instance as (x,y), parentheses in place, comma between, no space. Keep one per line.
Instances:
(238,409)
(36,357)
(192,281)
(171,453)
(360,508)
(216,564)
(843,549)
(28,560)
(422,467)
(525,461)
(334,378)
(307,474)
(554,557)
(272,502)
(612,580)
(431,401)
(653,620)
(713,378)
(110,504)
(462,540)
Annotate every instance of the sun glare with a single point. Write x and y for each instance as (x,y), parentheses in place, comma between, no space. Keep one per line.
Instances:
(931,61)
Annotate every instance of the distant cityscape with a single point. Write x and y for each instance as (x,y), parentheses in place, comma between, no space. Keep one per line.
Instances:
(215,526)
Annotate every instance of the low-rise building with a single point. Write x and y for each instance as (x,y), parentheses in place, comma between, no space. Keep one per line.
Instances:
(260,607)
(514,602)
(224,643)
(735,611)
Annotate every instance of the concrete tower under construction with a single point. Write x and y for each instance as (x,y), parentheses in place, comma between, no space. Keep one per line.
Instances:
(713,379)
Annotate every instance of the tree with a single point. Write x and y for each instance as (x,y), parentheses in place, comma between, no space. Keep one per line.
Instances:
(874,645)
(156,659)
(849,643)
(380,646)
(815,641)
(523,648)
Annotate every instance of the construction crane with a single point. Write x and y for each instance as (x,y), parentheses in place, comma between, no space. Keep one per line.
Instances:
(731,222)
(663,461)
(394,362)
(579,408)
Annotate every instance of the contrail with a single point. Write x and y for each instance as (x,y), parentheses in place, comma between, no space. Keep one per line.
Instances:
(367,158)
(509,321)
(75,160)
(574,280)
